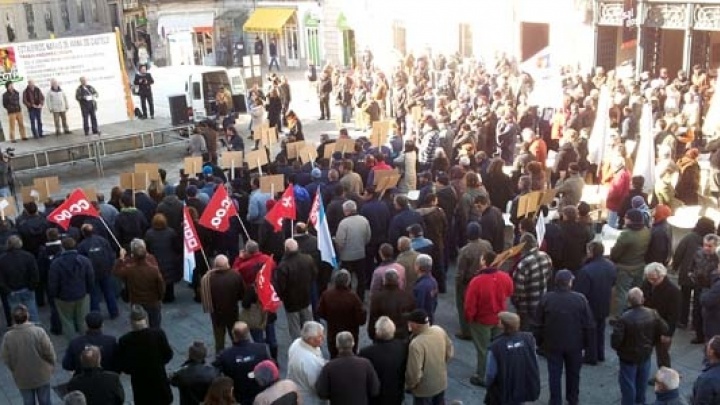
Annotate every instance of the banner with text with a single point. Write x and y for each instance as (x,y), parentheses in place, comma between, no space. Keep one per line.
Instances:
(94,57)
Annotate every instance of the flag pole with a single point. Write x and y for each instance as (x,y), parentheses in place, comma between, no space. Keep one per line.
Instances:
(110,231)
(207,263)
(247,235)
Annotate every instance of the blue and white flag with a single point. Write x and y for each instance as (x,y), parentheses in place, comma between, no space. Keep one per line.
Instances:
(319,221)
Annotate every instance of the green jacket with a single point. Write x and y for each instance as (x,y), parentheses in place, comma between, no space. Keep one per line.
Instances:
(629,250)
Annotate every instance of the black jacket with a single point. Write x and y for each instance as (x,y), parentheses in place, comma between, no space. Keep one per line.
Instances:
(389,358)
(130,224)
(392,302)
(193,380)
(574,237)
(143,355)
(11,101)
(18,270)
(32,230)
(379,216)
(492,227)
(565,156)
(665,299)
(565,321)
(144,83)
(162,243)
(293,280)
(348,380)
(106,343)
(239,360)
(70,277)
(595,281)
(100,387)
(635,334)
(518,376)
(660,245)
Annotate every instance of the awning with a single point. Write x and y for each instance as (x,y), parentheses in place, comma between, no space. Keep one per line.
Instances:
(185,22)
(268,19)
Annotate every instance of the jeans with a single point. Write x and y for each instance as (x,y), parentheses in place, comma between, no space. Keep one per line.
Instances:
(144,101)
(613,219)
(88,114)
(36,122)
(438,399)
(269,338)
(481,337)
(27,298)
(274,61)
(633,382)
(42,394)
(572,360)
(104,288)
(324,107)
(297,319)
(72,316)
(697,318)
(626,280)
(346,111)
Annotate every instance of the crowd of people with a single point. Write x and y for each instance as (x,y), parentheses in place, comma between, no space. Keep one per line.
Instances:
(554,298)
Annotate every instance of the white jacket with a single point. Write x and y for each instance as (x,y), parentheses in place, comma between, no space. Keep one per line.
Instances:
(257,115)
(56,101)
(304,365)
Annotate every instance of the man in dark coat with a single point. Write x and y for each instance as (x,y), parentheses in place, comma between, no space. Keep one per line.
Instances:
(293,280)
(20,277)
(393,302)
(663,296)
(143,353)
(239,360)
(574,237)
(706,389)
(404,218)
(595,281)
(347,379)
(710,301)
(102,256)
(512,375)
(388,356)
(172,208)
(194,376)
(130,222)
(633,337)
(222,288)
(436,226)
(565,324)
(342,309)
(31,225)
(660,246)
(379,216)
(93,337)
(492,224)
(99,386)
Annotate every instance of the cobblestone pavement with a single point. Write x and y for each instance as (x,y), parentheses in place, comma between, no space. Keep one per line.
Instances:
(184,321)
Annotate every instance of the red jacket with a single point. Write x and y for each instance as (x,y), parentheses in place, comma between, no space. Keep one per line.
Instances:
(486,296)
(250,266)
(619,189)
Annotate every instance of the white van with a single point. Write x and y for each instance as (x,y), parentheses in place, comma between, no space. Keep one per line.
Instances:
(198,84)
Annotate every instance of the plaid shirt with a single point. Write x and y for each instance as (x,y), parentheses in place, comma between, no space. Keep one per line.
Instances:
(531,279)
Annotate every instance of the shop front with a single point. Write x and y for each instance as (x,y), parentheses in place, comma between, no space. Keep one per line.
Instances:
(189,38)
(278,25)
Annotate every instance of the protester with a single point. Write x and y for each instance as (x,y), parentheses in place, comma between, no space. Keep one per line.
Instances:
(425,290)
(58,105)
(70,282)
(20,277)
(662,295)
(468,266)
(683,260)
(100,386)
(102,257)
(305,361)
(194,377)
(388,355)
(95,337)
(274,390)
(347,379)
(221,289)
(11,102)
(428,355)
(531,279)
(353,234)
(628,254)
(293,280)
(143,282)
(342,310)
(86,96)
(34,102)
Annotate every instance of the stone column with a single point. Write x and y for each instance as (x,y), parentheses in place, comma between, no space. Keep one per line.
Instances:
(640,48)
(687,50)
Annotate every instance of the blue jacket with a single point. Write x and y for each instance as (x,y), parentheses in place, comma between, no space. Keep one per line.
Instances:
(401,221)
(98,248)
(379,216)
(426,294)
(256,208)
(106,343)
(70,277)
(512,375)
(239,360)
(595,281)
(706,390)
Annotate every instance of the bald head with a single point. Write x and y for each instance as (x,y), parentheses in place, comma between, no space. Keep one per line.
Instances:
(635,297)
(403,244)
(221,262)
(240,332)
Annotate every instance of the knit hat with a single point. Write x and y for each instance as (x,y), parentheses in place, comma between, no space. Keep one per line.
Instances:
(265,373)
(473,231)
(191,191)
(637,201)
(94,320)
(662,212)
(137,313)
(634,216)
(197,351)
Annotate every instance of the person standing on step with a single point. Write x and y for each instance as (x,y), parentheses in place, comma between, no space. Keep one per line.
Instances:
(57,103)
(34,101)
(11,102)
(87,96)
(144,82)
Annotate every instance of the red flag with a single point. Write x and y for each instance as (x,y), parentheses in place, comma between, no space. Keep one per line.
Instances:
(265,290)
(218,211)
(285,208)
(190,235)
(76,204)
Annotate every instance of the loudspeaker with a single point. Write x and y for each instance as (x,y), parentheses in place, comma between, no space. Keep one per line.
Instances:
(178,110)
(239,104)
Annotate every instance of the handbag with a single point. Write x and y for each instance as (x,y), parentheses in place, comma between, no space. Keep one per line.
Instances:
(254,317)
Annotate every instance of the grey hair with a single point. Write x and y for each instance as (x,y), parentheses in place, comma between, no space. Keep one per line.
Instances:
(635,297)
(311,329)
(391,276)
(404,244)
(384,328)
(424,262)
(349,206)
(138,247)
(251,246)
(657,268)
(530,241)
(711,237)
(75,398)
(342,279)
(668,378)
(221,261)
(344,341)
(291,245)
(14,243)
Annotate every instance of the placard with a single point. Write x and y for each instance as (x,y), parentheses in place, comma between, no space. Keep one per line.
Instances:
(193,165)
(272,184)
(308,154)
(379,174)
(416,113)
(8,208)
(134,181)
(329,150)
(507,254)
(386,180)
(231,160)
(293,149)
(256,158)
(30,194)
(360,119)
(547,197)
(379,133)
(260,130)
(269,137)
(345,145)
(152,170)
(47,186)
(90,193)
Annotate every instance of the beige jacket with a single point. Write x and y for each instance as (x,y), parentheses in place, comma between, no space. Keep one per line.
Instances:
(429,353)
(29,354)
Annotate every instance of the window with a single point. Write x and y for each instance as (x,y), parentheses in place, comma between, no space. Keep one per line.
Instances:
(94,11)
(10,28)
(465,44)
(65,14)
(49,24)
(114,15)
(30,20)
(197,92)
(80,11)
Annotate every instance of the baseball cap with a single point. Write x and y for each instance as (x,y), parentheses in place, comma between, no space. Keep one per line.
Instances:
(417,316)
(265,372)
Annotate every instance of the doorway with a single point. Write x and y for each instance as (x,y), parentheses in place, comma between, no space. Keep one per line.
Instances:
(534,38)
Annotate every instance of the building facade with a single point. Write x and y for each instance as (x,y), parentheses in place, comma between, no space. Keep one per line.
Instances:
(30,20)
(667,33)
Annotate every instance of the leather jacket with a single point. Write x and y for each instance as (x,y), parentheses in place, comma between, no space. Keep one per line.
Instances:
(193,381)
(635,334)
